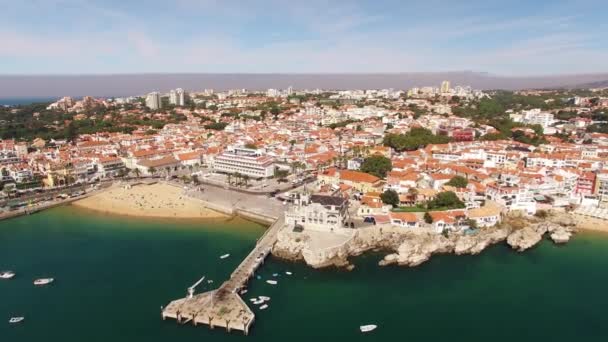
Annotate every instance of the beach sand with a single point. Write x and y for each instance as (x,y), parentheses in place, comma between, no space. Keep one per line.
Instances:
(155,200)
(590,223)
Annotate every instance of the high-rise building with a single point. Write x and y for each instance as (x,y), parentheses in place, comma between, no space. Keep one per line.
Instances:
(177,97)
(153,101)
(445,86)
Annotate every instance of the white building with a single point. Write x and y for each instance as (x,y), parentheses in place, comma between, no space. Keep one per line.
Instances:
(445,87)
(534,117)
(153,101)
(317,212)
(177,97)
(245,161)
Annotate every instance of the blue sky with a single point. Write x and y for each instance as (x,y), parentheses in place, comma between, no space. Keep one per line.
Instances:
(513,38)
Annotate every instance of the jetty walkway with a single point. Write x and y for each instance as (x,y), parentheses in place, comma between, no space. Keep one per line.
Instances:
(224,307)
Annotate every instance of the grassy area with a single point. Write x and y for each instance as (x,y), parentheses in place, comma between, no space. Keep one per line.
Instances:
(409,210)
(420,209)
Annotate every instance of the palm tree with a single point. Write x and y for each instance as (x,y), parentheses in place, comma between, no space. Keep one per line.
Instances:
(230,179)
(168,170)
(152,170)
(246,180)
(137,172)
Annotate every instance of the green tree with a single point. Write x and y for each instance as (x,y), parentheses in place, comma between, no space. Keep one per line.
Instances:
(427,218)
(445,200)
(377,165)
(458,182)
(390,197)
(71,132)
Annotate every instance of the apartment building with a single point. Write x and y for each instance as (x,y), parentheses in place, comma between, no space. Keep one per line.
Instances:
(245,161)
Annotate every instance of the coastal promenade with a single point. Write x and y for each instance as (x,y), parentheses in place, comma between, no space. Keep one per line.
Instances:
(40,206)
(224,307)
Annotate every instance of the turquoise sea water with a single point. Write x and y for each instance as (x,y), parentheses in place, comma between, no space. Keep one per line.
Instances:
(112,274)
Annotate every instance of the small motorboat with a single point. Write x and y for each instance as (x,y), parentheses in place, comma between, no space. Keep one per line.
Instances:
(224,256)
(15,320)
(272,282)
(7,274)
(264,307)
(243,291)
(275,275)
(367,328)
(264,298)
(43,281)
(258,277)
(210,281)
(288,273)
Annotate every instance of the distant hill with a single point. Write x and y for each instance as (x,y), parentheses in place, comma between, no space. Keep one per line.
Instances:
(600,84)
(123,84)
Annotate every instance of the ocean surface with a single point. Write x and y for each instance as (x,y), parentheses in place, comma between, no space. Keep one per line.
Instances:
(113,274)
(15,101)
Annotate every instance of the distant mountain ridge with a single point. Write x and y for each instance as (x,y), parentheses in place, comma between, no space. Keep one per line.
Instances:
(125,84)
(600,84)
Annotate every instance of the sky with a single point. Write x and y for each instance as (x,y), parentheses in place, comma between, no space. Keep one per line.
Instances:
(508,38)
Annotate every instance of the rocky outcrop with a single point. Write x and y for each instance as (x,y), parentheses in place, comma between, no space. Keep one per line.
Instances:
(525,238)
(475,244)
(529,236)
(407,248)
(560,234)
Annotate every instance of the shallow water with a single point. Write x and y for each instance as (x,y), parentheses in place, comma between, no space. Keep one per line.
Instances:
(113,274)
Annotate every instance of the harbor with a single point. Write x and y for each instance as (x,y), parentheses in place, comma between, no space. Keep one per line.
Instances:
(224,307)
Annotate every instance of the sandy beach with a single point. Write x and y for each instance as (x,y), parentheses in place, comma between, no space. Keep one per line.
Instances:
(590,223)
(156,200)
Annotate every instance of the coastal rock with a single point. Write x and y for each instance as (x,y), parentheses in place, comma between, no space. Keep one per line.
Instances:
(561,235)
(389,259)
(289,247)
(525,238)
(475,244)
(417,249)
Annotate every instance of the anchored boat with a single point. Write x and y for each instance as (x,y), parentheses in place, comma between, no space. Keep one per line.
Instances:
(272,282)
(7,274)
(43,281)
(15,320)
(367,328)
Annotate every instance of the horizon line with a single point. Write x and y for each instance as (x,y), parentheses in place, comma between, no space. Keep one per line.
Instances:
(484,73)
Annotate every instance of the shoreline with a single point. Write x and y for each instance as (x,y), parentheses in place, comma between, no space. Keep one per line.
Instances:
(156,200)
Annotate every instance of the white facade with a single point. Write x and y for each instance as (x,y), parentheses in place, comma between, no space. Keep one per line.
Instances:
(245,161)
(177,97)
(153,101)
(536,117)
(316,212)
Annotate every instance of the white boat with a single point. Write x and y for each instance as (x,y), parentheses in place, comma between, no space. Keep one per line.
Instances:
(272,282)
(43,281)
(264,307)
(7,274)
(288,273)
(264,298)
(224,256)
(258,302)
(368,328)
(244,291)
(15,320)
(253,300)
(275,275)
(209,281)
